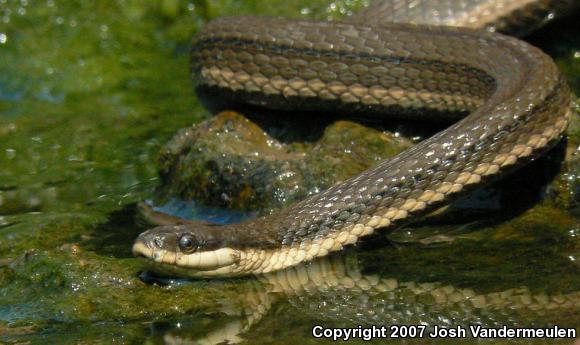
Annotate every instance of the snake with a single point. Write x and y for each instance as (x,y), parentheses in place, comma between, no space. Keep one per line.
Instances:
(421,60)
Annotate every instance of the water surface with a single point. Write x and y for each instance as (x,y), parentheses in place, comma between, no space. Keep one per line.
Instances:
(90,91)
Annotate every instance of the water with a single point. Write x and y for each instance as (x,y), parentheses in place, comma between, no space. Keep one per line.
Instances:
(89,92)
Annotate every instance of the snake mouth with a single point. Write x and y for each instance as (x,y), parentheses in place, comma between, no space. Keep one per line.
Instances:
(207,263)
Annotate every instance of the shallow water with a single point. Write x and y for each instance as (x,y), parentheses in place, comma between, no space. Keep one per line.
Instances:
(89,92)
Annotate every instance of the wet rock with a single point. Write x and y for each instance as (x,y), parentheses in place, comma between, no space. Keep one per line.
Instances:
(235,162)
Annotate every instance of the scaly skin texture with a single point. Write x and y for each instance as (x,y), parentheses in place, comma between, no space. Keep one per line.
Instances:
(518,105)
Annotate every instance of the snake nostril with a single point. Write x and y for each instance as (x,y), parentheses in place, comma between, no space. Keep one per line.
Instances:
(158,241)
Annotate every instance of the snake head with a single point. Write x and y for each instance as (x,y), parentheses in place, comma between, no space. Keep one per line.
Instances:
(195,250)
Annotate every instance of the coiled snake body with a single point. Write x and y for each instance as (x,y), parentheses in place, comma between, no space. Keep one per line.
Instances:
(518,104)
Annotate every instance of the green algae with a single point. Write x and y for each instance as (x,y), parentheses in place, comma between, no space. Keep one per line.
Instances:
(233,162)
(89,93)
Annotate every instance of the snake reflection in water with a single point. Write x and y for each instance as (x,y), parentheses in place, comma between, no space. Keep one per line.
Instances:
(336,290)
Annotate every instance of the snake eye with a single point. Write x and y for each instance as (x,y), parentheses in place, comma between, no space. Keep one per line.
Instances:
(187,243)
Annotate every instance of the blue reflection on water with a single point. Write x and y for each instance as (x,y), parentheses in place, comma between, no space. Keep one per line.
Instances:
(192,210)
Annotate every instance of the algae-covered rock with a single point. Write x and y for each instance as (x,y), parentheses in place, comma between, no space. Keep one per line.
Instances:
(232,161)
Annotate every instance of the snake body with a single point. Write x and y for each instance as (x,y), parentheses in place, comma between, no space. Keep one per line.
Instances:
(517,102)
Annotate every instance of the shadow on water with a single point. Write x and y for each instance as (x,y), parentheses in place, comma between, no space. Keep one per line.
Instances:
(115,236)
(561,39)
